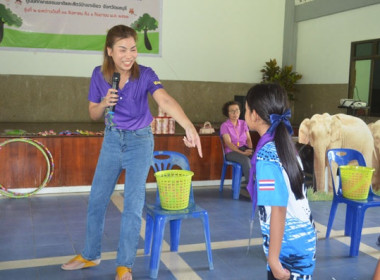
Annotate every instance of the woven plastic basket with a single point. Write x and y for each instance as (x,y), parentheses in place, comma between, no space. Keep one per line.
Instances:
(356,181)
(174,188)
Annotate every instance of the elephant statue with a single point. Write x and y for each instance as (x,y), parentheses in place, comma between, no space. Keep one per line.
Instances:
(324,132)
(375,130)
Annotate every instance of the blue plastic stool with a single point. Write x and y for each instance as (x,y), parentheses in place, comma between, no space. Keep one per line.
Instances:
(156,217)
(236,174)
(356,209)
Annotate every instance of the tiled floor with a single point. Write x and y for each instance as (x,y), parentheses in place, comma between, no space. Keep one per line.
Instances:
(39,233)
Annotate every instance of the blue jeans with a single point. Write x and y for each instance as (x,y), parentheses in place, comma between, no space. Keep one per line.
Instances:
(132,151)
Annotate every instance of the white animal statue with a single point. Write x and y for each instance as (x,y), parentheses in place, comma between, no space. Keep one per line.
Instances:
(324,132)
(375,130)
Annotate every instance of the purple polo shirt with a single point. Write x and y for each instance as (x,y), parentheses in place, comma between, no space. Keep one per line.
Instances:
(238,133)
(132,110)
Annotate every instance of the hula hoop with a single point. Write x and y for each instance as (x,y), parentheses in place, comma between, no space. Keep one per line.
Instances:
(49,172)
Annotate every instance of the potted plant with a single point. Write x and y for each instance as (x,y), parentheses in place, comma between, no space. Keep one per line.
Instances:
(285,76)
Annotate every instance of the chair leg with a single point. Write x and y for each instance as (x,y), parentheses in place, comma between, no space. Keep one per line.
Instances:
(350,212)
(175,231)
(158,236)
(148,234)
(224,169)
(206,228)
(356,231)
(334,206)
(236,180)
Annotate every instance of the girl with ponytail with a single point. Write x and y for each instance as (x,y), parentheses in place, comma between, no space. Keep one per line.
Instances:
(276,187)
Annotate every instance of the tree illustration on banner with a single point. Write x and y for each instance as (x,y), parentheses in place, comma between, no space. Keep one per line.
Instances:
(145,22)
(9,18)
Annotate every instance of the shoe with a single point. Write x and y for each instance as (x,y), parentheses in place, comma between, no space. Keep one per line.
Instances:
(80,263)
(123,273)
(244,192)
(243,184)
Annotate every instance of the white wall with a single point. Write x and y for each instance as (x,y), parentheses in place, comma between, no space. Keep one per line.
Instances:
(324,44)
(213,40)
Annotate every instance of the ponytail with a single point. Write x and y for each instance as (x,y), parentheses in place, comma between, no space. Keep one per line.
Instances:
(288,156)
(270,102)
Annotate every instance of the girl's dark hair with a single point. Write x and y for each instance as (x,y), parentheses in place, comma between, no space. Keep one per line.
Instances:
(267,99)
(115,34)
(227,105)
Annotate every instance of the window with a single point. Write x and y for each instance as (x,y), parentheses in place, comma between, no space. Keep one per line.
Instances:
(364,82)
(363,49)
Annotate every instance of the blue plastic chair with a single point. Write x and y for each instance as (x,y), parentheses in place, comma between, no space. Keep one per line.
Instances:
(156,217)
(236,174)
(355,210)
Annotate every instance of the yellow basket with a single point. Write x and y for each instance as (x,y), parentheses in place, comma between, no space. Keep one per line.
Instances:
(356,181)
(174,188)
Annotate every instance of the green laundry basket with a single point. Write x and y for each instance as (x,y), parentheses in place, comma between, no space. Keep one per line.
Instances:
(174,188)
(356,181)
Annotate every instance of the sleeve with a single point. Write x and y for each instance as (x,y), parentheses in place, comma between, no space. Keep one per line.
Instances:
(153,82)
(271,186)
(223,129)
(94,92)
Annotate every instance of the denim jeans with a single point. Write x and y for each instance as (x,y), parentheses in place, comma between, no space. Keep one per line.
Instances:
(132,151)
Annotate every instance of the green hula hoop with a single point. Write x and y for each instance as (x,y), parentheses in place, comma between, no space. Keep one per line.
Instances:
(49,172)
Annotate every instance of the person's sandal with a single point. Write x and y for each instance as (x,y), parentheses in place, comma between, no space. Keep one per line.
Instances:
(121,271)
(81,263)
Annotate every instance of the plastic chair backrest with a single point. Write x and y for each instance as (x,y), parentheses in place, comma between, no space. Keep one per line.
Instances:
(222,143)
(343,157)
(166,160)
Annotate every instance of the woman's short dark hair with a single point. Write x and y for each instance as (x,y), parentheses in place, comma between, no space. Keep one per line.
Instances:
(227,105)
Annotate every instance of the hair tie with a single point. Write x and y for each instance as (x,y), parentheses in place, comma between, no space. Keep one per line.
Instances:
(275,120)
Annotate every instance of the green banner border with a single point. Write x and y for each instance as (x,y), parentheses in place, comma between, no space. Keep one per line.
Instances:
(20,39)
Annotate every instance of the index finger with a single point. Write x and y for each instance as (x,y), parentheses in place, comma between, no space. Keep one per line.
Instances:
(199,146)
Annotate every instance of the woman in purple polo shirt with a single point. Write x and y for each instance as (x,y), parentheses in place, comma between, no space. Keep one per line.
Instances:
(128,144)
(236,137)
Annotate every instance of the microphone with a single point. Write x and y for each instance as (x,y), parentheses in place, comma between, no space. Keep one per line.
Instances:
(115,85)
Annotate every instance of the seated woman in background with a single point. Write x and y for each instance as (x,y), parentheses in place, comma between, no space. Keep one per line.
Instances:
(236,137)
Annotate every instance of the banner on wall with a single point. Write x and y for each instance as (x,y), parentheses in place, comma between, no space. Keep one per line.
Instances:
(77,25)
